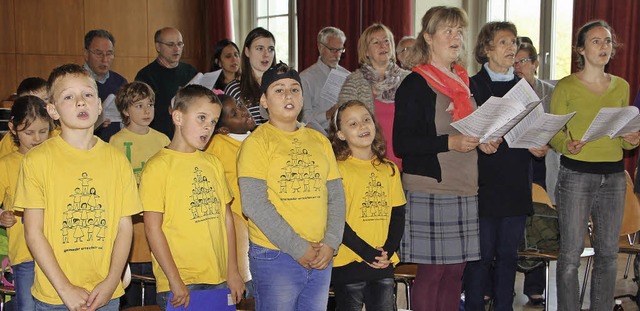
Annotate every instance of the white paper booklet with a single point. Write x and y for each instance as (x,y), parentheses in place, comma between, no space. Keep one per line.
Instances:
(613,122)
(110,110)
(536,129)
(494,118)
(332,86)
(207,80)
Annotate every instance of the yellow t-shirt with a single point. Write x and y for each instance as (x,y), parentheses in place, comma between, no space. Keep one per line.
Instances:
(7,145)
(139,148)
(371,192)
(191,191)
(84,194)
(226,149)
(296,166)
(9,168)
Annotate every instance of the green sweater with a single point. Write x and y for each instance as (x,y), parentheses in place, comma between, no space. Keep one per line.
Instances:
(571,95)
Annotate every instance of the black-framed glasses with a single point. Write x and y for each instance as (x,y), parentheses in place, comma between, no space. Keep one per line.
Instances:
(172,44)
(522,61)
(102,54)
(332,50)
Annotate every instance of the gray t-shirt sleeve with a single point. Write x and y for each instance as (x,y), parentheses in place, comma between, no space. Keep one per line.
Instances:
(336,214)
(256,205)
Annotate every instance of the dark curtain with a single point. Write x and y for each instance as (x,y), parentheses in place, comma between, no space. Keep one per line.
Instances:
(352,17)
(219,24)
(624,18)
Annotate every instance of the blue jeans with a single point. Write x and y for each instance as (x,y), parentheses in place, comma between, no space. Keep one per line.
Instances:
(499,240)
(579,196)
(375,295)
(282,284)
(113,305)
(163,297)
(23,274)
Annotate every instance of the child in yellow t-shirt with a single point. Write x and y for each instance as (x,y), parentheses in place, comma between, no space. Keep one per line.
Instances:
(35,86)
(292,193)
(363,268)
(187,212)
(29,126)
(78,194)
(234,126)
(139,142)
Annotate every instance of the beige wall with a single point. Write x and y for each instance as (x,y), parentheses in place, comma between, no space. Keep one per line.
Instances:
(38,35)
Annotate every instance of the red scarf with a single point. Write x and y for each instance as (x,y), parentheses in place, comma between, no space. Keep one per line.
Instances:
(452,88)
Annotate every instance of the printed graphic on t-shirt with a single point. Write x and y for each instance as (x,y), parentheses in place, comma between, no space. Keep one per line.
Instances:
(374,202)
(84,220)
(299,175)
(136,170)
(204,204)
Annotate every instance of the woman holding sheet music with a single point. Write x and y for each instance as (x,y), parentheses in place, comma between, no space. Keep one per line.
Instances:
(504,194)
(440,164)
(591,181)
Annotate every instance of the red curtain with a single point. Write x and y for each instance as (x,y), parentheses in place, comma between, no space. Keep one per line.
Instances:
(219,21)
(624,18)
(352,17)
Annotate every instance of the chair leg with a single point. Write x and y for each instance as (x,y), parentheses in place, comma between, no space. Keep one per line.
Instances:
(142,289)
(407,283)
(546,285)
(626,268)
(584,281)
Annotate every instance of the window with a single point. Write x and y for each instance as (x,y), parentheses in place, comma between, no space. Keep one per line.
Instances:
(279,17)
(549,25)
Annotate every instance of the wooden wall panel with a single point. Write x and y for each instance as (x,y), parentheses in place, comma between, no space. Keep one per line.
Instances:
(49,27)
(30,65)
(38,35)
(186,16)
(7,27)
(130,29)
(8,83)
(128,67)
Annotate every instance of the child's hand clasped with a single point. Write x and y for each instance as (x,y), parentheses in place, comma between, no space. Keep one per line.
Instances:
(7,219)
(323,258)
(74,297)
(382,261)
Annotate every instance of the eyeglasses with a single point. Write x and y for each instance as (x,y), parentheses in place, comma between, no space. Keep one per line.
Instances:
(101,54)
(522,61)
(172,44)
(332,50)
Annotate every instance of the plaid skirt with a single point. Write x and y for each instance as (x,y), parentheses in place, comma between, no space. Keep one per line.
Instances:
(440,229)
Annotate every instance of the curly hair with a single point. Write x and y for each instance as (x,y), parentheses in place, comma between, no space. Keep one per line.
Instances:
(485,38)
(341,147)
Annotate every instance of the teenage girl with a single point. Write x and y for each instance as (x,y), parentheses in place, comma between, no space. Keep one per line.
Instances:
(29,125)
(363,268)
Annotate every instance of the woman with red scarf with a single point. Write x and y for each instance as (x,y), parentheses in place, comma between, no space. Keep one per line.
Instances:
(440,164)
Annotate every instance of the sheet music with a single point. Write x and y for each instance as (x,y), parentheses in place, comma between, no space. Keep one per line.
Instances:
(631,127)
(110,110)
(522,92)
(503,130)
(207,80)
(332,86)
(539,132)
(609,121)
(489,118)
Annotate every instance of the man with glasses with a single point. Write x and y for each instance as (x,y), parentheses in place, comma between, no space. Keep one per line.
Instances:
(98,58)
(317,111)
(165,75)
